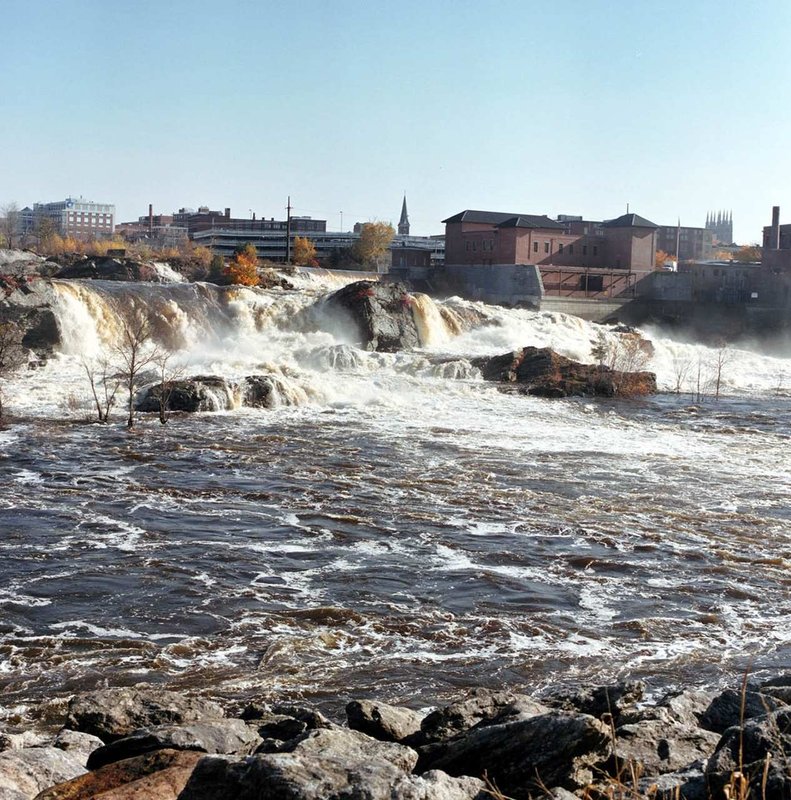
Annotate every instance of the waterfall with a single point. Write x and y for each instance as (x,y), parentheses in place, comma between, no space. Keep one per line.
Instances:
(237,332)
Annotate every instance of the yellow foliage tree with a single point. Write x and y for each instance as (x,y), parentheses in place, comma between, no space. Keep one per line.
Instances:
(748,253)
(304,252)
(242,270)
(375,238)
(661,258)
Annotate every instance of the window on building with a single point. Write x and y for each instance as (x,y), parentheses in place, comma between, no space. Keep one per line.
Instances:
(474,248)
(571,249)
(560,247)
(467,246)
(546,247)
(595,250)
(535,247)
(584,249)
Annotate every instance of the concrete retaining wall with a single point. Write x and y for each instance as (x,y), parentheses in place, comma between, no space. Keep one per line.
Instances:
(506,284)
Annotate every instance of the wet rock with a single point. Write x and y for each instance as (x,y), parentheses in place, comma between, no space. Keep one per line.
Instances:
(684,706)
(745,750)
(294,776)
(308,717)
(29,771)
(557,749)
(25,263)
(687,784)
(338,356)
(382,721)
(597,701)
(159,775)
(18,741)
(78,745)
(109,269)
(27,303)
(659,748)
(545,373)
(112,714)
(483,706)
(725,710)
(344,744)
(201,393)
(778,687)
(223,736)
(378,316)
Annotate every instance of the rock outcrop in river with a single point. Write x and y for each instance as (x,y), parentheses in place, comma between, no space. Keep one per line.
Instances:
(378,315)
(543,372)
(135,743)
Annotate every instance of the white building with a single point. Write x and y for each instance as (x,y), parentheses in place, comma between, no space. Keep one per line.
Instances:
(74,216)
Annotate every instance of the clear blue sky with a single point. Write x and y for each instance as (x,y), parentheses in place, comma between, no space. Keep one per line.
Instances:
(573,107)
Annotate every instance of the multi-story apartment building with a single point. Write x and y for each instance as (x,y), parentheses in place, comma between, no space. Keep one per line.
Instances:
(74,216)
(686,244)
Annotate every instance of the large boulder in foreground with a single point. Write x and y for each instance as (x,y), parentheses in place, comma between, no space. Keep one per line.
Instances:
(161,775)
(757,753)
(25,773)
(377,315)
(382,721)
(224,736)
(112,714)
(521,757)
(542,372)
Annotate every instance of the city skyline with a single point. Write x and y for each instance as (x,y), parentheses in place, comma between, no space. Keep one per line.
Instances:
(580,109)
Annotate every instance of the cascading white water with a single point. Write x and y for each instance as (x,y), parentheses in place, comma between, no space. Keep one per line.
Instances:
(234,332)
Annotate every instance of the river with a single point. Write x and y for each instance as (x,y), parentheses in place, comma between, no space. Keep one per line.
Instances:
(395,526)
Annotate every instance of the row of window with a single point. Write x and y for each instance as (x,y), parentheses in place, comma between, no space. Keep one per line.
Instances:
(488,244)
(570,248)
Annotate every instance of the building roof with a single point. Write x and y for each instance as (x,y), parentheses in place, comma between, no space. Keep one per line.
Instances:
(503,220)
(630,221)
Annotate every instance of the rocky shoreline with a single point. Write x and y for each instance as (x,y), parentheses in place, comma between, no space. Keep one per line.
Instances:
(588,742)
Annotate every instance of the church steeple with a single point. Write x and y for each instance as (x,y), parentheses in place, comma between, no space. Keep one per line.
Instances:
(403,223)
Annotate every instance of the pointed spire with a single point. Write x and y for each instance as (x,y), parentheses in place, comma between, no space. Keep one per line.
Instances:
(403,223)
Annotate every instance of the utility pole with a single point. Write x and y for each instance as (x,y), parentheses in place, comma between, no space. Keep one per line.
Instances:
(288,231)
(678,242)
(341,213)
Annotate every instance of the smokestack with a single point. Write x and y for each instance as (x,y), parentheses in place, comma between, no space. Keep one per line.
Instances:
(150,217)
(774,236)
(253,216)
(227,213)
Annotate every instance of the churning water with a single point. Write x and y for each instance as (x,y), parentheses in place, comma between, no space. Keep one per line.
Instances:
(394,525)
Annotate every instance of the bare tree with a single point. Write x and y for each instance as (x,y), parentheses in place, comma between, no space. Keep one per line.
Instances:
(105,383)
(9,223)
(681,369)
(722,357)
(135,352)
(12,354)
(168,377)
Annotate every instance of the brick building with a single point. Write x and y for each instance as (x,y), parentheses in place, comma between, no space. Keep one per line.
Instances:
(575,256)
(686,244)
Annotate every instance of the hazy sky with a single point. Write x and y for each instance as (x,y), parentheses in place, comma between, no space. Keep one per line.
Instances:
(575,107)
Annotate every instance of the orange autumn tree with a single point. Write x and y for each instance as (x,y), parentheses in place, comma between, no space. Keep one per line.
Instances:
(242,270)
(304,252)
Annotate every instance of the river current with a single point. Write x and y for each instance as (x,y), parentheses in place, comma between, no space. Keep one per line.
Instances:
(395,526)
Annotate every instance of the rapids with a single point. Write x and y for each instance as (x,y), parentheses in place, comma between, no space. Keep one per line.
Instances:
(395,524)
